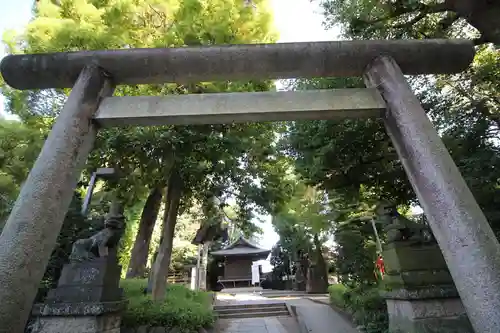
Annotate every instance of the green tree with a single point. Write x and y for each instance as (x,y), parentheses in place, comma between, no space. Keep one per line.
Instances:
(19,148)
(416,19)
(304,225)
(187,160)
(343,156)
(348,157)
(356,247)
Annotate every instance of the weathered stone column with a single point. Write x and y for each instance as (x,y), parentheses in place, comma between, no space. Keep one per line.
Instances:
(467,242)
(203,266)
(31,230)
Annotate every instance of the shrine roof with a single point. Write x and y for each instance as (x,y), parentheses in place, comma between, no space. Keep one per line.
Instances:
(242,247)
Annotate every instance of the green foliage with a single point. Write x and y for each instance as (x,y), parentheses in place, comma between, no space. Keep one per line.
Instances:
(211,156)
(19,148)
(337,295)
(183,252)
(225,158)
(355,253)
(184,309)
(367,308)
(303,224)
(354,160)
(346,157)
(415,19)
(306,216)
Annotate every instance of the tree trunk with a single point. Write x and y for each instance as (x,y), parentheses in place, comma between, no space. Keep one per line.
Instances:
(482,15)
(149,288)
(162,262)
(140,251)
(319,273)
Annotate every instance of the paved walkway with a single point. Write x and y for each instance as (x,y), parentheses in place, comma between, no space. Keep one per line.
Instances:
(258,325)
(313,317)
(319,318)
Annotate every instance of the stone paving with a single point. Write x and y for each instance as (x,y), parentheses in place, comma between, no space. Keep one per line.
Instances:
(321,318)
(317,318)
(254,325)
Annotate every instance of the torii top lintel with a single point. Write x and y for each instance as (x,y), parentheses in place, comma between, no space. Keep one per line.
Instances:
(237,62)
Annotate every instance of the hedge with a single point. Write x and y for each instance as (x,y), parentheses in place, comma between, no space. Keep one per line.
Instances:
(184,309)
(367,308)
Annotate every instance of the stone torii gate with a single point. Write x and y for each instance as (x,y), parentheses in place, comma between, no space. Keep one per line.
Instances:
(469,246)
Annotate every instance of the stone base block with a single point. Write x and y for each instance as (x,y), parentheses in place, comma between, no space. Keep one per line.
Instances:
(415,279)
(78,324)
(427,315)
(94,317)
(84,293)
(94,281)
(404,257)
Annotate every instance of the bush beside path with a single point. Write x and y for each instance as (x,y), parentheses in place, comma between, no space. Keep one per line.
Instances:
(183,311)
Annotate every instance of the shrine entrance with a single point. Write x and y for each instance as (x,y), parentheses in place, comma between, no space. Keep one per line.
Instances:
(468,244)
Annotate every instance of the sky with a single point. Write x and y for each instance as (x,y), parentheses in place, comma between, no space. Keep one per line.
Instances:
(295,20)
(13,16)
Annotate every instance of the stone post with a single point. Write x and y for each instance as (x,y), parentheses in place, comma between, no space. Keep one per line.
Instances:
(194,278)
(203,266)
(30,233)
(198,266)
(423,298)
(467,242)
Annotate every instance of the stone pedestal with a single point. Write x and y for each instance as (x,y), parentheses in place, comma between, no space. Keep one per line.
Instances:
(422,296)
(96,317)
(87,300)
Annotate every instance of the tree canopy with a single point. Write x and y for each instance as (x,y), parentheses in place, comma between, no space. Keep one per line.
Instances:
(416,19)
(355,158)
(237,161)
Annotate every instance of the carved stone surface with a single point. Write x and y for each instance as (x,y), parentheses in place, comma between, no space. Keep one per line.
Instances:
(399,228)
(403,256)
(87,298)
(107,323)
(95,281)
(78,309)
(99,244)
(435,292)
(428,316)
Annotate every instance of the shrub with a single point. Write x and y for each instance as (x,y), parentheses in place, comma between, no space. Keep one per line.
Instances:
(183,308)
(337,293)
(367,307)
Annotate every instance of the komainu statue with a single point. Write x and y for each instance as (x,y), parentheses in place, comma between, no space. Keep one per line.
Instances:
(400,228)
(98,245)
